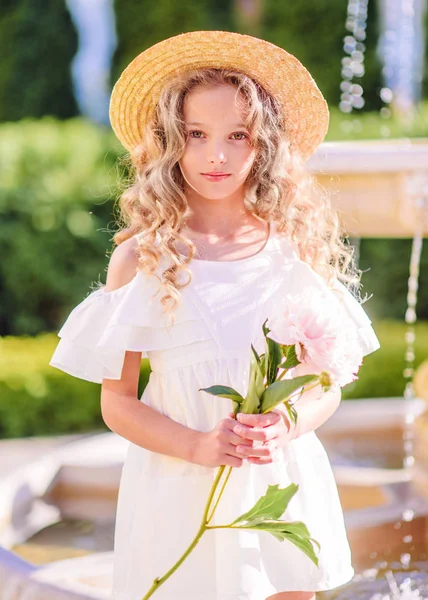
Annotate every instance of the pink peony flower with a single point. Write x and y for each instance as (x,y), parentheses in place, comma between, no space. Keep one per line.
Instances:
(321,331)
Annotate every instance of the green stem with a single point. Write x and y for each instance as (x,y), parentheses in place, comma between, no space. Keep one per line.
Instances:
(220,494)
(203,527)
(282,375)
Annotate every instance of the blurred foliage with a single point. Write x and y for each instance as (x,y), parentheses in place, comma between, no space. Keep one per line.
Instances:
(58,180)
(35,74)
(425,71)
(37,44)
(372,125)
(161,20)
(385,263)
(313,32)
(381,374)
(37,399)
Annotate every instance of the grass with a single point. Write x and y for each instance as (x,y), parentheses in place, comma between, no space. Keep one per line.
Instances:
(381,374)
(372,125)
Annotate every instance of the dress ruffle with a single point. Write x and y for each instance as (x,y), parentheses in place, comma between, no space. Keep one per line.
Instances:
(99,330)
(297,275)
(359,318)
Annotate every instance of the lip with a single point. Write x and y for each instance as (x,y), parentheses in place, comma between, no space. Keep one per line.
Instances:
(216,176)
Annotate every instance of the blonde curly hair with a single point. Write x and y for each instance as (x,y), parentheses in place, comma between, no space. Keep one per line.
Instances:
(279,188)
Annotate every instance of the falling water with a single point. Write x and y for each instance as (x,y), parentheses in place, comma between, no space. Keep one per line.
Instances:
(95,23)
(353,64)
(401,49)
(406,579)
(417,192)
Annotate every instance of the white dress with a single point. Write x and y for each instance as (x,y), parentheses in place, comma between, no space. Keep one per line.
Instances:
(161,499)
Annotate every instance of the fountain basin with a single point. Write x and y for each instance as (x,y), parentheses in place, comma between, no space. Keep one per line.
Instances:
(374,183)
(87,474)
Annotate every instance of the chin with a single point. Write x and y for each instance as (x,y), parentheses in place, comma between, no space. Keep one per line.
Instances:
(220,195)
(215,191)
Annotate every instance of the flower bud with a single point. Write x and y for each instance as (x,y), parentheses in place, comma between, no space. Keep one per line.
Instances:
(325,380)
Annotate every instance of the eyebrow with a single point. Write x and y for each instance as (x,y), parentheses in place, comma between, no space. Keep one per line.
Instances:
(202,124)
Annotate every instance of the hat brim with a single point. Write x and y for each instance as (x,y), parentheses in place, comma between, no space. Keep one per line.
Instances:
(137,91)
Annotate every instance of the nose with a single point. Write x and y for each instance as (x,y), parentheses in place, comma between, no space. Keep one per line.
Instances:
(216,153)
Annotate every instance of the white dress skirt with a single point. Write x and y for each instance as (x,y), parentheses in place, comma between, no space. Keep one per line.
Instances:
(161,499)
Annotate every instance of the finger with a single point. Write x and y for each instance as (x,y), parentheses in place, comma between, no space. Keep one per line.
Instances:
(233,452)
(232,461)
(233,437)
(260,460)
(270,418)
(258,451)
(237,440)
(262,434)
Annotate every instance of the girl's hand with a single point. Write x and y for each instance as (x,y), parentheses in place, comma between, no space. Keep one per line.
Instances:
(218,447)
(271,430)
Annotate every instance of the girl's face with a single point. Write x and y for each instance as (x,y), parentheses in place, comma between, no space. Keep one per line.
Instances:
(217,141)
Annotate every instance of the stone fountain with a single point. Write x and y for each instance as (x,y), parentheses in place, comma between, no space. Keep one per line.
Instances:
(381,190)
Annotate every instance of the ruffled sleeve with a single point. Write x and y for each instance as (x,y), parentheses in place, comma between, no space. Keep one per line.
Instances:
(327,322)
(363,325)
(98,331)
(297,275)
(353,315)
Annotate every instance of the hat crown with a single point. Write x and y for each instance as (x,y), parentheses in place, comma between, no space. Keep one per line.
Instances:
(137,91)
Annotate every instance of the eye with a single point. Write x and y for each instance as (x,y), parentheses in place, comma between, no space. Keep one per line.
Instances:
(194,136)
(241,133)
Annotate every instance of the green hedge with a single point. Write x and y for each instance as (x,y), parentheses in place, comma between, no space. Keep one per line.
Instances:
(59,181)
(372,126)
(161,20)
(37,399)
(37,44)
(314,33)
(381,374)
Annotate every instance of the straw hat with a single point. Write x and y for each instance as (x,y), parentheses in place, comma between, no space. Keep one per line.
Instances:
(136,92)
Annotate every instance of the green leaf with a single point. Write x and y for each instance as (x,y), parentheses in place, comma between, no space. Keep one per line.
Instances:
(296,533)
(263,366)
(265,328)
(270,506)
(224,391)
(292,413)
(259,379)
(257,357)
(275,357)
(256,386)
(281,390)
(291,359)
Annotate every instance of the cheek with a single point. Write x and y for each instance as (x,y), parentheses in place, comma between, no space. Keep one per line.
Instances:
(187,163)
(190,156)
(247,160)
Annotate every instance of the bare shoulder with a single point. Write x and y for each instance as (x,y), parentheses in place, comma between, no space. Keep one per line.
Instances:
(123,264)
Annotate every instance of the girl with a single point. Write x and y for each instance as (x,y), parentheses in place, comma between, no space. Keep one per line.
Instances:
(222,221)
